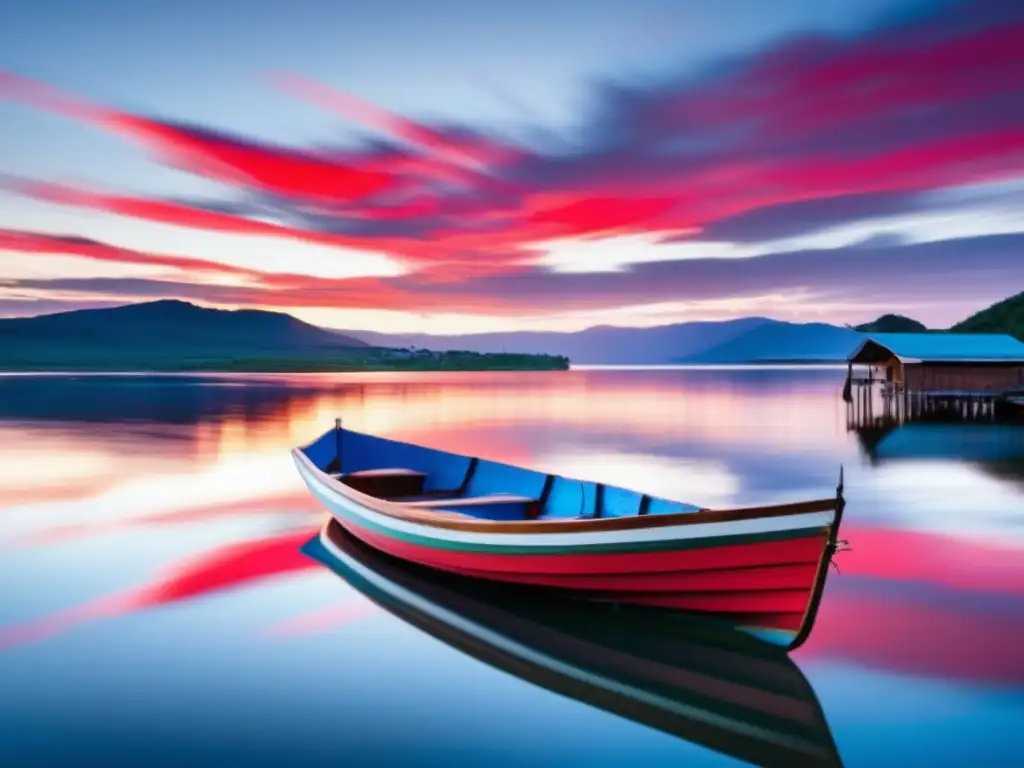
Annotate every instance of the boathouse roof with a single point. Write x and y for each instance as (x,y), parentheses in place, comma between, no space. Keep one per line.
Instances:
(939,348)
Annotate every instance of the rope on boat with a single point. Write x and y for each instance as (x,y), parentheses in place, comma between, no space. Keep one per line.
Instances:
(839,545)
(842,545)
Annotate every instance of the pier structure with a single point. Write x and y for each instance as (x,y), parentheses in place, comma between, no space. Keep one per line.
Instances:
(897,377)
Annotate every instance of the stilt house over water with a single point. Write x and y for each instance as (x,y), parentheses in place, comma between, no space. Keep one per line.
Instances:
(953,364)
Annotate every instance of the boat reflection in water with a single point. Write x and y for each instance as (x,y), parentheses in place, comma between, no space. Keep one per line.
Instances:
(712,686)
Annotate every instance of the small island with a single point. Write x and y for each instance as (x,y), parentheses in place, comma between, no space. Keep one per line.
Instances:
(327,361)
(176,336)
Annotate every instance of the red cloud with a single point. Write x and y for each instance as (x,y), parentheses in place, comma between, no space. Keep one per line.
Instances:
(167,212)
(31,242)
(894,110)
(216,156)
(476,150)
(225,158)
(416,254)
(263,289)
(894,75)
(151,210)
(591,215)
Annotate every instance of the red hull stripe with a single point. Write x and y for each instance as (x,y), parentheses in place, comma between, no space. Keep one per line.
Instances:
(747,595)
(800,550)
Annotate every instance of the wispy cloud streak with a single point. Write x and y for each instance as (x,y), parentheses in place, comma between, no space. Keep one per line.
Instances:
(859,123)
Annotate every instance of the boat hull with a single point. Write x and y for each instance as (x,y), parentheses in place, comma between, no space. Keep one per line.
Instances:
(763,575)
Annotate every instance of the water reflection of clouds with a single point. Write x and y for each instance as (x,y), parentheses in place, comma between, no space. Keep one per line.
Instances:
(945,497)
(934,638)
(244,556)
(155,458)
(650,412)
(709,437)
(232,480)
(31,466)
(147,511)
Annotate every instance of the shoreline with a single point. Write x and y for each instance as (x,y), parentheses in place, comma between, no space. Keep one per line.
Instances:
(203,372)
(197,372)
(708,366)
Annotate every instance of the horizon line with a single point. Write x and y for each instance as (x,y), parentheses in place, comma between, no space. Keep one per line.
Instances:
(738,318)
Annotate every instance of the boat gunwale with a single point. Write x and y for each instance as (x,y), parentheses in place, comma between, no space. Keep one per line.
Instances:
(456,521)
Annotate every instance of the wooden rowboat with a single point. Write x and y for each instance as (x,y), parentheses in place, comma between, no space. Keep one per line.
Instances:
(720,689)
(758,569)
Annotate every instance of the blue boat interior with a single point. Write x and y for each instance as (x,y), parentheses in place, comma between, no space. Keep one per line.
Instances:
(434,479)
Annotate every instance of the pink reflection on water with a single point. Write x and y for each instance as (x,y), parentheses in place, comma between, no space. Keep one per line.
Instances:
(899,635)
(229,567)
(932,559)
(289,505)
(323,619)
(62,621)
(242,454)
(875,629)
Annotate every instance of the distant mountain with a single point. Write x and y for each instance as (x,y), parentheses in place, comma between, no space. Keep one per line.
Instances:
(1006,316)
(600,345)
(893,324)
(178,335)
(171,322)
(171,335)
(783,342)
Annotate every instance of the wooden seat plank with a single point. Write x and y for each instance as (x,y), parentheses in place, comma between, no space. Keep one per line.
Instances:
(385,483)
(425,496)
(389,472)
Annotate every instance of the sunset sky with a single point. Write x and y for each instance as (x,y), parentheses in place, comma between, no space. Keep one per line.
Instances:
(448,166)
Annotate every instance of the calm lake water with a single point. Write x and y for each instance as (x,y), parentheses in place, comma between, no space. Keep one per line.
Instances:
(156,609)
